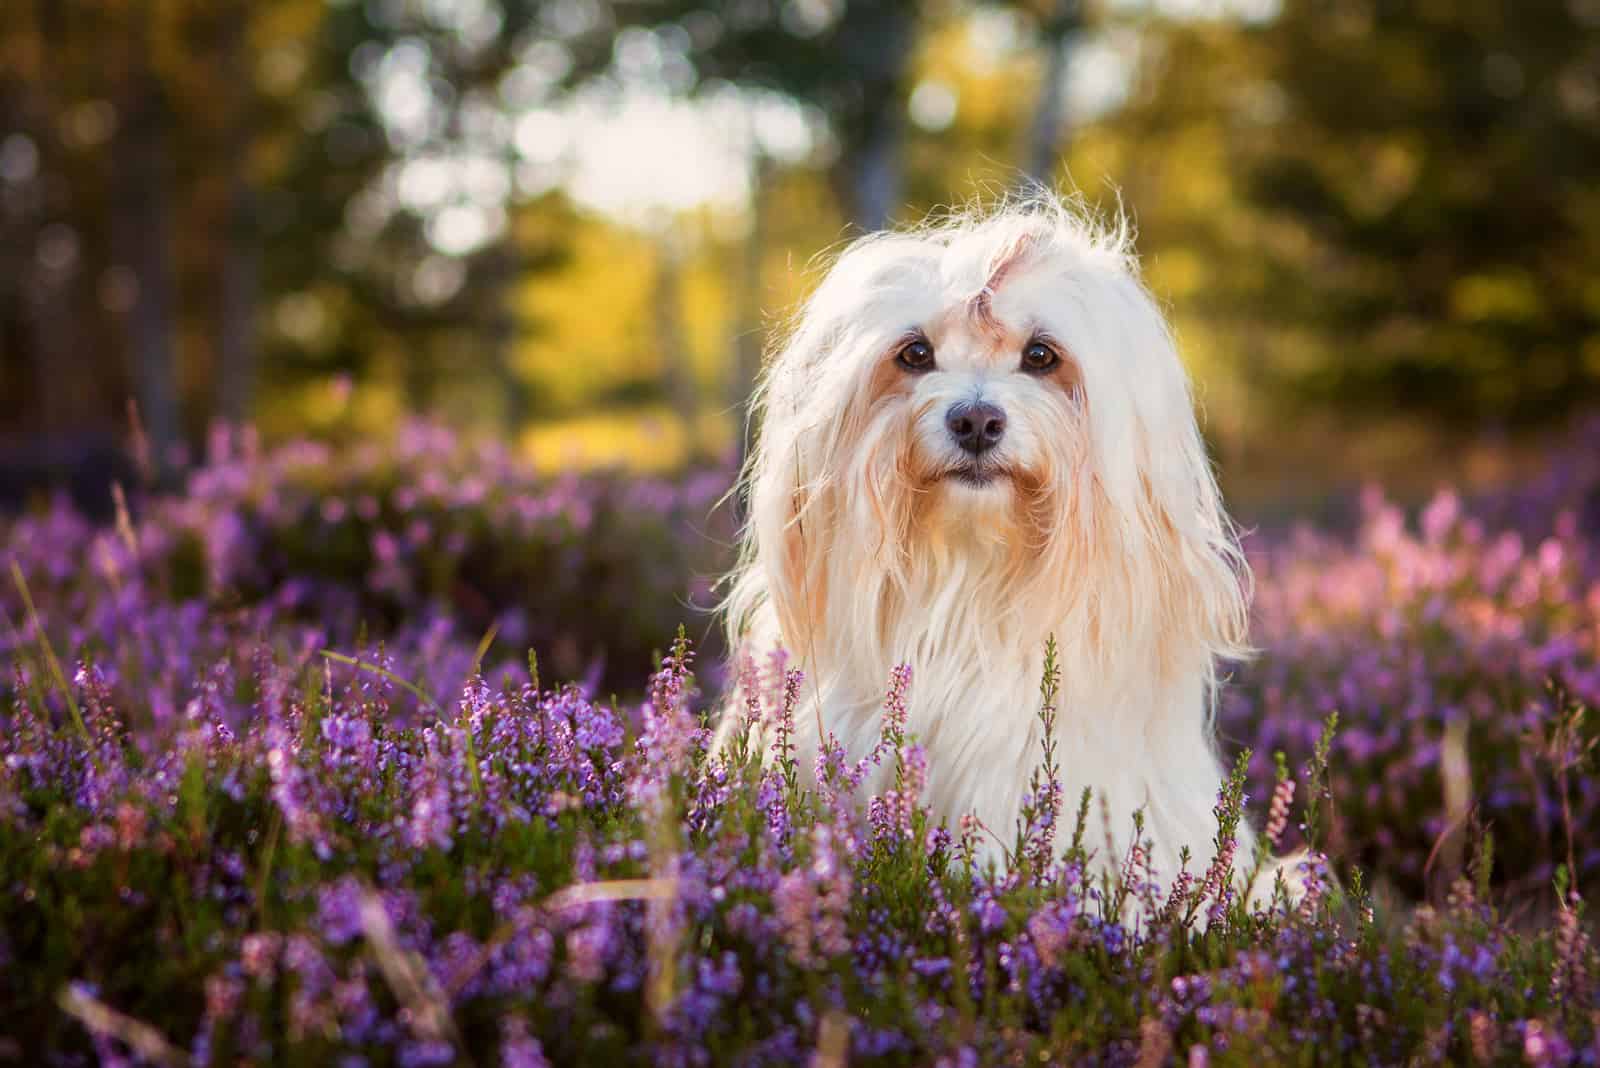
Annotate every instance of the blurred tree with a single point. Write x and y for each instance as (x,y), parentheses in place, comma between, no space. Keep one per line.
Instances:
(392,234)
(97,101)
(748,330)
(667,308)
(187,187)
(1360,206)
(48,264)
(1059,22)
(848,59)
(238,304)
(142,225)
(990,99)
(1397,213)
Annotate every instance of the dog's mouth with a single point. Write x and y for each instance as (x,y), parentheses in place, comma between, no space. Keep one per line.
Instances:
(976,475)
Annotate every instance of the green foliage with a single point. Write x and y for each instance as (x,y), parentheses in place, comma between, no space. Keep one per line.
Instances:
(1380,207)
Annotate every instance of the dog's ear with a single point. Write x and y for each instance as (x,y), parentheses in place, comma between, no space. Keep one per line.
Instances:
(792,550)
(782,561)
(1203,580)
(1181,575)
(1203,577)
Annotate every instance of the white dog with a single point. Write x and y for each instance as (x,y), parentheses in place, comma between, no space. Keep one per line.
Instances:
(978,435)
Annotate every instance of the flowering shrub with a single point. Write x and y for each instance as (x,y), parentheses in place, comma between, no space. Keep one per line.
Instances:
(218,843)
(1459,659)
(424,543)
(533,877)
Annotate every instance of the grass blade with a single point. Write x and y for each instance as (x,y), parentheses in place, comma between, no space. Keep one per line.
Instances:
(375,669)
(50,655)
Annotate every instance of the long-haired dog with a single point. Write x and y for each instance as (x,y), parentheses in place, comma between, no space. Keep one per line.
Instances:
(979,435)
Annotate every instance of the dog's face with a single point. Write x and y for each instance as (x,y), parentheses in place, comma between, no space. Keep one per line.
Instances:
(980,400)
(1000,382)
(981,385)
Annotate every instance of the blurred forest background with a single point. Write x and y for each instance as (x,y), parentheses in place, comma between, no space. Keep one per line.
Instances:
(572,223)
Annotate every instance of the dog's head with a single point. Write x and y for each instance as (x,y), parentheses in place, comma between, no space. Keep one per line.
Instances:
(996,393)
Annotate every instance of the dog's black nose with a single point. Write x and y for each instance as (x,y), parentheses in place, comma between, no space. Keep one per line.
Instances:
(975,427)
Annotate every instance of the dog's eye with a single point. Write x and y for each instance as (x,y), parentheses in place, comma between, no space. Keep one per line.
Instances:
(917,356)
(1039,358)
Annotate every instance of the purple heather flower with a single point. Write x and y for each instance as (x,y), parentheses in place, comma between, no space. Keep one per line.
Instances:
(517,1048)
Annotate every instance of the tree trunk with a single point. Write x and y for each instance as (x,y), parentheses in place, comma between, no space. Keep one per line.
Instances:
(676,368)
(499,332)
(870,180)
(53,341)
(143,213)
(42,265)
(241,276)
(241,252)
(40,272)
(875,177)
(749,341)
(1044,132)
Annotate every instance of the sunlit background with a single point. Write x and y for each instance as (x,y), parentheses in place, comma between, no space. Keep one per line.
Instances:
(572,225)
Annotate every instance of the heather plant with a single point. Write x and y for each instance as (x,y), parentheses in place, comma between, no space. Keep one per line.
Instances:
(247,815)
(531,876)
(1458,658)
(423,543)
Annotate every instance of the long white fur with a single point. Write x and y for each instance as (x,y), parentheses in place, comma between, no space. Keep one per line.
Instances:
(1110,534)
